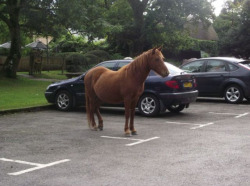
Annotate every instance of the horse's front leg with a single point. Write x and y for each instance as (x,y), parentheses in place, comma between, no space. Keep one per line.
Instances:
(132,115)
(127,115)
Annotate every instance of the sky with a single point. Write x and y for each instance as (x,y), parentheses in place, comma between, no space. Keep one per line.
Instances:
(218,5)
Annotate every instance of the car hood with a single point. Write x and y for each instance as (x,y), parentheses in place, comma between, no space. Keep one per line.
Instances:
(64,81)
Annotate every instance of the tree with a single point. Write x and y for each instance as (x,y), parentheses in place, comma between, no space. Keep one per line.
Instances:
(232,26)
(153,19)
(9,13)
(47,17)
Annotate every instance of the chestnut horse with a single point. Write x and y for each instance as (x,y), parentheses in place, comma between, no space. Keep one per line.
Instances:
(123,86)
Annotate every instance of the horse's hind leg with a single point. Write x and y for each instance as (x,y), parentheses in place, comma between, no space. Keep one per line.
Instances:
(100,125)
(92,119)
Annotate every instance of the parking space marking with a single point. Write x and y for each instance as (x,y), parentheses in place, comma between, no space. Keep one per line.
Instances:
(138,141)
(197,126)
(232,114)
(37,165)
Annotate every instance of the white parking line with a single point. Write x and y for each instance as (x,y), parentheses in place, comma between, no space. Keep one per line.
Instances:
(201,125)
(37,165)
(232,114)
(139,141)
(198,125)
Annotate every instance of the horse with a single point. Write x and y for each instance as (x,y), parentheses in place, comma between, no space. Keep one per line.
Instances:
(123,86)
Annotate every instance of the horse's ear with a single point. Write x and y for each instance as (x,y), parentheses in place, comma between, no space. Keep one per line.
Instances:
(160,48)
(153,51)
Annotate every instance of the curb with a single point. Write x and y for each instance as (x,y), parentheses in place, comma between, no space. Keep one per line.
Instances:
(28,109)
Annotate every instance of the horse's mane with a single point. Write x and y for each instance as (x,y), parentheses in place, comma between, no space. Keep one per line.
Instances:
(140,62)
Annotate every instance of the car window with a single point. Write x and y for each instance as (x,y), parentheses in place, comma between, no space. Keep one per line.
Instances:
(121,64)
(232,67)
(195,66)
(215,66)
(109,65)
(246,64)
(173,70)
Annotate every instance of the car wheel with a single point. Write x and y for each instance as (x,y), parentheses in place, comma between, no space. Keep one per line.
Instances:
(64,101)
(176,108)
(233,94)
(149,105)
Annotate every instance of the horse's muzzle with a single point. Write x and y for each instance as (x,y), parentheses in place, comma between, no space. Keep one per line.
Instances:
(165,73)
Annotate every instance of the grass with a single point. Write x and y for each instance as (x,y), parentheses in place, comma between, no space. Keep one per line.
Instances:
(22,93)
(56,74)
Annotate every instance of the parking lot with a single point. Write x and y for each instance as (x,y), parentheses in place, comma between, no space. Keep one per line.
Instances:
(206,144)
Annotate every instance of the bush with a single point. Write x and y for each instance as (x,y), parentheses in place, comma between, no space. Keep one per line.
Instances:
(91,60)
(101,54)
(76,63)
(117,56)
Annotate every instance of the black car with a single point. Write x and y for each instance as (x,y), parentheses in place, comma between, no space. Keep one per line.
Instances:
(174,92)
(226,77)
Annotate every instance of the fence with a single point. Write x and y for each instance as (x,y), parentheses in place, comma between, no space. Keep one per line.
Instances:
(53,63)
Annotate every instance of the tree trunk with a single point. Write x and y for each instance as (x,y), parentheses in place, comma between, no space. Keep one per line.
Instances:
(138,8)
(11,64)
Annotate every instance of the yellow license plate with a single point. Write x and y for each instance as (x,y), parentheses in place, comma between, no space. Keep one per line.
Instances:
(187,85)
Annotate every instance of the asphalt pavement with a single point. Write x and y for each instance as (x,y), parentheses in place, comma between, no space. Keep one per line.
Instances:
(206,144)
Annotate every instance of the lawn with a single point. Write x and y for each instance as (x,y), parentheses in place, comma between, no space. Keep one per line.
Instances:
(55,74)
(22,93)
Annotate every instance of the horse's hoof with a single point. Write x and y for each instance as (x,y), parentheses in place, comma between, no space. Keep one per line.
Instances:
(94,129)
(128,135)
(134,132)
(100,128)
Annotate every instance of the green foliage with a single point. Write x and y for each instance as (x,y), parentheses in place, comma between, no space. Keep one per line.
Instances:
(233,28)
(210,47)
(116,56)
(76,62)
(101,54)
(91,60)
(4,34)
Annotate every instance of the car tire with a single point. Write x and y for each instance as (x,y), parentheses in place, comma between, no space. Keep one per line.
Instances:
(176,108)
(149,105)
(64,101)
(233,94)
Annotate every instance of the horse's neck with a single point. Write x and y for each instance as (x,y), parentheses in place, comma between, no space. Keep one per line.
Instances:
(139,70)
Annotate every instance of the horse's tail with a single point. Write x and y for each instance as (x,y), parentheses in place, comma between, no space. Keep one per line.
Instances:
(88,110)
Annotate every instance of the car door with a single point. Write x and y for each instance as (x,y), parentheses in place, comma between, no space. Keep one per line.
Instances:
(216,72)
(79,89)
(196,68)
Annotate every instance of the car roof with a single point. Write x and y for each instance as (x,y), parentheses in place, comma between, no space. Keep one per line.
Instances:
(230,59)
(118,60)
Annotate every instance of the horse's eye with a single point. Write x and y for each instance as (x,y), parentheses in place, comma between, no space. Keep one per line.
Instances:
(157,59)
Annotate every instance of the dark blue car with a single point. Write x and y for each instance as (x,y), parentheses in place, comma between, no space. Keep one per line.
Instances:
(226,77)
(174,92)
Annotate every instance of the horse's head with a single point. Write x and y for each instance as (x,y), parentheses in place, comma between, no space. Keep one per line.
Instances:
(156,62)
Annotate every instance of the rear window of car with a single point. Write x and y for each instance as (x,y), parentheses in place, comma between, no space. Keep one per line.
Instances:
(173,70)
(109,65)
(215,66)
(246,64)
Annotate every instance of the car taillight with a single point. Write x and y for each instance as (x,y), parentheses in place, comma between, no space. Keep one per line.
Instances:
(172,84)
(194,83)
